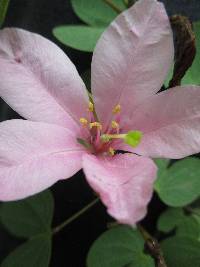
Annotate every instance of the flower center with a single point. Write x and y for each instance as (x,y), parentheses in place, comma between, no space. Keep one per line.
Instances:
(101,140)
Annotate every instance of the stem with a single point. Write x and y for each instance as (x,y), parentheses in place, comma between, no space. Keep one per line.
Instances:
(153,247)
(75,216)
(144,232)
(113,6)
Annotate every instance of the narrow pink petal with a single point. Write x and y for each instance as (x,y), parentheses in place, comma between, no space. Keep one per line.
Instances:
(33,156)
(132,58)
(124,183)
(38,80)
(170,122)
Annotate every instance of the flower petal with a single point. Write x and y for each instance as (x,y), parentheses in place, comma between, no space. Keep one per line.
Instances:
(33,156)
(38,80)
(124,182)
(132,58)
(170,122)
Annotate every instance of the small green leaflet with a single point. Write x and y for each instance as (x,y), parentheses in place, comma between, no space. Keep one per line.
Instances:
(96,13)
(3,10)
(176,219)
(170,219)
(29,218)
(34,253)
(119,247)
(80,37)
(162,164)
(179,185)
(181,252)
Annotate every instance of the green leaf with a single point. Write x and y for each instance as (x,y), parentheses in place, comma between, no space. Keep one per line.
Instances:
(33,253)
(181,252)
(192,75)
(190,227)
(96,13)
(170,219)
(28,217)
(83,38)
(119,247)
(162,164)
(185,225)
(133,138)
(179,185)
(3,10)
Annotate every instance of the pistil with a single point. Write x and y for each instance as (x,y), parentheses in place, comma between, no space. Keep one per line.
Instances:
(132,138)
(108,137)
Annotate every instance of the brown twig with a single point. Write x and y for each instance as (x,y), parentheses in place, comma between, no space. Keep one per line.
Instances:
(153,247)
(185,47)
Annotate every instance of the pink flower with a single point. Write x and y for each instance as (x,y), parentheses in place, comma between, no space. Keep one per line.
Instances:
(129,65)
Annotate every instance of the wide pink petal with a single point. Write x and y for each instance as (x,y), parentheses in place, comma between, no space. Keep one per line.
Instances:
(124,183)
(38,80)
(33,156)
(170,122)
(132,58)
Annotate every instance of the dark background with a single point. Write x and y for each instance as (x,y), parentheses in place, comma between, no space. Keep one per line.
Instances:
(71,245)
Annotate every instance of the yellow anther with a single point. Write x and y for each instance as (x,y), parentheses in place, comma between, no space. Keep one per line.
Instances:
(115,125)
(83,121)
(111,151)
(91,107)
(95,124)
(116,109)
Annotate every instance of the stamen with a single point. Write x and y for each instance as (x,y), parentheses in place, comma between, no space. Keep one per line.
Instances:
(83,121)
(90,107)
(95,124)
(116,109)
(111,151)
(115,125)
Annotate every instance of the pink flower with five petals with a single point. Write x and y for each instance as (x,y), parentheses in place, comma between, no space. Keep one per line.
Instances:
(65,132)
